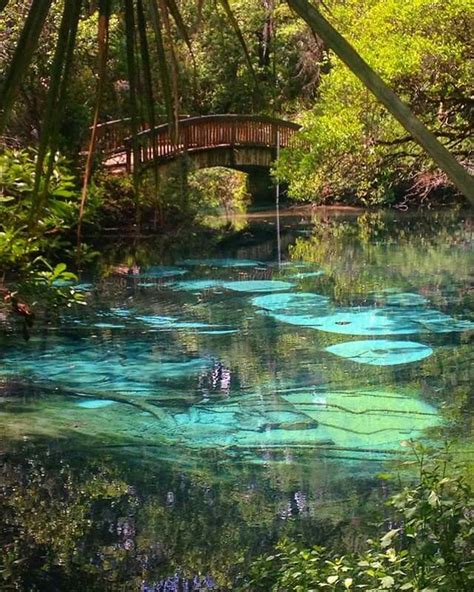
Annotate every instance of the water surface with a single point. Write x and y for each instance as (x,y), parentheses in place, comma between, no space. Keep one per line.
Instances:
(223,399)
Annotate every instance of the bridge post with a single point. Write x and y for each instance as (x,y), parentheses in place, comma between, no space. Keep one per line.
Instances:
(183,131)
(128,157)
(275,138)
(232,134)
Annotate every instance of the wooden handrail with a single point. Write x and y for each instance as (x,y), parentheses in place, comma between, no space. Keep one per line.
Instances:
(211,131)
(111,135)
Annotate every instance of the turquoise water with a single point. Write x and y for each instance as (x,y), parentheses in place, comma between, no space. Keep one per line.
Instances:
(250,380)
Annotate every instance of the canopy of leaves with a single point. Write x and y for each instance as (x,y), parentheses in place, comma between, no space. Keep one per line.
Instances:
(358,151)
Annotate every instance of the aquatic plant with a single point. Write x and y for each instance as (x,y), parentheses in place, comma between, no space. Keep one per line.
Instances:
(257,285)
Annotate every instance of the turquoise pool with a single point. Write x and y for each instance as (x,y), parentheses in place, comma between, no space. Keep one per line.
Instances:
(239,399)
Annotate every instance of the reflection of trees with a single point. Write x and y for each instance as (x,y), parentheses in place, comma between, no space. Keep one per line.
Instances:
(106,525)
(362,257)
(99,524)
(52,518)
(428,255)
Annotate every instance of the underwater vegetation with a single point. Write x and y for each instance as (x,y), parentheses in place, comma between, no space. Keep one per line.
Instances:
(238,403)
(199,398)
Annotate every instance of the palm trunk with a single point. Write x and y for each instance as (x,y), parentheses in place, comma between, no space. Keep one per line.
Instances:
(103,46)
(22,57)
(427,140)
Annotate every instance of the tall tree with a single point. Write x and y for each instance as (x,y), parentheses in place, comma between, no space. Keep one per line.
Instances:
(420,133)
(317,22)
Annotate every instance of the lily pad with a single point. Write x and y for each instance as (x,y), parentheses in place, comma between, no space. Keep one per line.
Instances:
(218,332)
(380,321)
(369,419)
(83,287)
(95,403)
(171,322)
(405,299)
(381,352)
(196,285)
(160,271)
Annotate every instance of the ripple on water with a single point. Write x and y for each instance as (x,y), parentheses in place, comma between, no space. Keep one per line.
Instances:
(296,303)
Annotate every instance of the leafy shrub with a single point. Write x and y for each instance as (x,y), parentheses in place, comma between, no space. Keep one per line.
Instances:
(430,549)
(358,153)
(23,234)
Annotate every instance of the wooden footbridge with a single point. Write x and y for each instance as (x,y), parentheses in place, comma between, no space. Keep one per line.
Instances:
(241,142)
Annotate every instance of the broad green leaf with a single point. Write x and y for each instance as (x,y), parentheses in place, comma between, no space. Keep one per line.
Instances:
(386,540)
(387,582)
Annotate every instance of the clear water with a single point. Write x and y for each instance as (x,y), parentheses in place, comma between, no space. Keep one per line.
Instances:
(285,388)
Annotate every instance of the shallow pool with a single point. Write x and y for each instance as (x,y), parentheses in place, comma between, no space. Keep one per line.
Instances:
(239,399)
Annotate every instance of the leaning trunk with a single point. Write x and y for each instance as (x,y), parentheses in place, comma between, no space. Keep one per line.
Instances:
(427,140)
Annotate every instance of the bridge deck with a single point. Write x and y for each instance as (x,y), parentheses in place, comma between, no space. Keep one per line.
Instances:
(193,134)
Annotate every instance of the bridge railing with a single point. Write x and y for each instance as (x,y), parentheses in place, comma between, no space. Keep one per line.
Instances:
(111,135)
(207,132)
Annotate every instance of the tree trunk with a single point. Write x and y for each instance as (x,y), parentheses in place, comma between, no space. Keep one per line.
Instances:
(427,140)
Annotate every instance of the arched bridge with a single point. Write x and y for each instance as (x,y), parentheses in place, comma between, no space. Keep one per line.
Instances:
(236,141)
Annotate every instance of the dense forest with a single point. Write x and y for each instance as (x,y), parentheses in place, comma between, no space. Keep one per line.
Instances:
(203,58)
(356,153)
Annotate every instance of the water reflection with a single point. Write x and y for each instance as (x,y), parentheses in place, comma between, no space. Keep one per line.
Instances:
(215,409)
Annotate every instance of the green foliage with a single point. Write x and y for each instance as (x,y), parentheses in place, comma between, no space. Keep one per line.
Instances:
(429,546)
(219,192)
(18,245)
(284,55)
(29,243)
(115,199)
(358,152)
(22,232)
(48,516)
